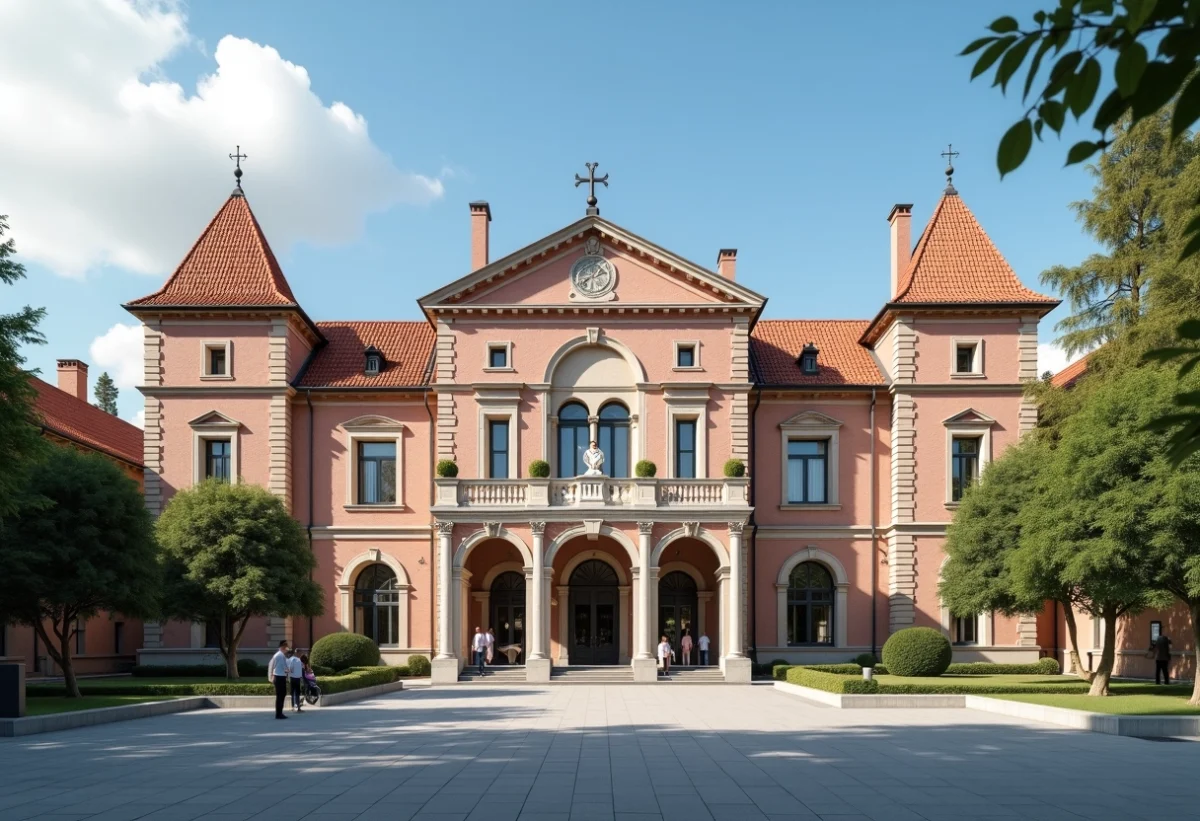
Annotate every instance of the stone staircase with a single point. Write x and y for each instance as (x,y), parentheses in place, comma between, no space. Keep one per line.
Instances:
(622,674)
(503,674)
(694,675)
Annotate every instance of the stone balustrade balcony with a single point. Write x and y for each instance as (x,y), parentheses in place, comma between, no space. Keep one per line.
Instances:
(590,492)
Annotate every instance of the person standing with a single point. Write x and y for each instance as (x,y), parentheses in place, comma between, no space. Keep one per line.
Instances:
(685,648)
(1161,647)
(703,645)
(479,648)
(664,655)
(277,672)
(491,645)
(296,676)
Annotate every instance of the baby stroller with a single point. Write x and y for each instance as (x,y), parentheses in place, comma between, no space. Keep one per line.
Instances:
(311,691)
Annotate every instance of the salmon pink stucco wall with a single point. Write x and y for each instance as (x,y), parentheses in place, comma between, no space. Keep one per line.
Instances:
(936,349)
(178,441)
(183,353)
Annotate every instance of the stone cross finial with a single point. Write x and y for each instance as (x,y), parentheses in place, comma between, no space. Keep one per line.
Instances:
(950,154)
(237,157)
(591,179)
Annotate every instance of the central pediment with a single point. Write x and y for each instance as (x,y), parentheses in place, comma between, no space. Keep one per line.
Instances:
(592,264)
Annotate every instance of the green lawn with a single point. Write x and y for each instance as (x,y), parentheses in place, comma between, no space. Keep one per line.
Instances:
(1120,703)
(1068,683)
(45,705)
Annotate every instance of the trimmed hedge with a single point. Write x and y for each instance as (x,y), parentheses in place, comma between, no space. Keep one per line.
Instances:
(343,651)
(920,652)
(320,670)
(865,660)
(1042,667)
(419,666)
(848,669)
(247,668)
(779,672)
(356,680)
(831,682)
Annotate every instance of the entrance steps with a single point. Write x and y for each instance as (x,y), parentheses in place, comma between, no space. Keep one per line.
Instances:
(694,675)
(500,674)
(588,674)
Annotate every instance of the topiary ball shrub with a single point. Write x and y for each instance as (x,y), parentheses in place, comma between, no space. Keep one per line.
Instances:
(539,469)
(864,660)
(917,651)
(341,651)
(419,666)
(645,469)
(735,468)
(447,469)
(249,668)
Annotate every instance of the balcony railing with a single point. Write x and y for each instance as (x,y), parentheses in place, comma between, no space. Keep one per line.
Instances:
(590,492)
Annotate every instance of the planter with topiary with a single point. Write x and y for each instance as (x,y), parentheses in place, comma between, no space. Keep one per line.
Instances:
(447,469)
(645,486)
(645,469)
(867,662)
(734,469)
(539,469)
(446,483)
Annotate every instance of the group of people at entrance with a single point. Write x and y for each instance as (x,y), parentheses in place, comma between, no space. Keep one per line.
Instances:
(666,654)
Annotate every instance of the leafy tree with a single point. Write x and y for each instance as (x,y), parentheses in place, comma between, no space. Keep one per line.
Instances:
(106,394)
(21,439)
(90,549)
(233,552)
(1134,180)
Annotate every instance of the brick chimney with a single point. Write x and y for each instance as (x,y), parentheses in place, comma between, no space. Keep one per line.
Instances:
(481,215)
(72,378)
(727,263)
(900,220)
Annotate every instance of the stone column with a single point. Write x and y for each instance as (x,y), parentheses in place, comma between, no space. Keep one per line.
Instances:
(564,644)
(645,668)
(737,666)
(445,663)
(626,612)
(537,664)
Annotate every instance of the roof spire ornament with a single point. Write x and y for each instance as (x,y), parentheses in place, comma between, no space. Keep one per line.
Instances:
(237,157)
(950,154)
(591,179)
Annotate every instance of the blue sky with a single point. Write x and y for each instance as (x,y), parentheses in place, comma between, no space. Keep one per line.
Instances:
(781,129)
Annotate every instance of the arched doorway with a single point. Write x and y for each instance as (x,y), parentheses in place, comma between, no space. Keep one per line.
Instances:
(507,600)
(377,605)
(594,627)
(678,604)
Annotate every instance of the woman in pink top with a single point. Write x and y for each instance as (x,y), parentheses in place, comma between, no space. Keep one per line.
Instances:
(685,644)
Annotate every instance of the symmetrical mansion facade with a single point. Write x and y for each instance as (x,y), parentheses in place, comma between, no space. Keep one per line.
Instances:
(857,438)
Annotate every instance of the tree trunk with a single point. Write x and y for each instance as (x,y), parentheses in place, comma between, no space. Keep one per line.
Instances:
(229,648)
(61,655)
(1107,655)
(1194,607)
(1073,638)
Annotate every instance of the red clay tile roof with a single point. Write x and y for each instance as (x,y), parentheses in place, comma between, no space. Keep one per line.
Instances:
(406,347)
(955,261)
(1069,375)
(776,344)
(86,424)
(231,264)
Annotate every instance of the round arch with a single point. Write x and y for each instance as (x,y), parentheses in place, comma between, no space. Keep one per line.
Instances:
(345,614)
(597,340)
(689,569)
(701,534)
(983,621)
(570,566)
(472,541)
(581,530)
(841,585)
(498,568)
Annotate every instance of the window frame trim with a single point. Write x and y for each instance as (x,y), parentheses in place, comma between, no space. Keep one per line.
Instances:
(694,344)
(498,406)
(372,429)
(958,427)
(977,371)
(808,426)
(215,425)
(687,408)
(212,345)
(508,359)
(349,578)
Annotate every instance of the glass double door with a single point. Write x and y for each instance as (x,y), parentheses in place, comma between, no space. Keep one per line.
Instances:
(593,625)
(678,605)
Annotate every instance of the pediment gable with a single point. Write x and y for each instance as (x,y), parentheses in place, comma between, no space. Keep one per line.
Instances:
(969,417)
(214,419)
(811,419)
(372,422)
(633,272)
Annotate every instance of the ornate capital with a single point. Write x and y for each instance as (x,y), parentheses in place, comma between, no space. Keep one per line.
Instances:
(444,528)
(735,528)
(538,528)
(492,528)
(645,528)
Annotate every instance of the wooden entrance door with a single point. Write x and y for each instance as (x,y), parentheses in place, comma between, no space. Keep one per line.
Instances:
(594,620)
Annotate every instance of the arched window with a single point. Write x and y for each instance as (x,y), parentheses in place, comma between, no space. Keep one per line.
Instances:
(614,439)
(810,605)
(572,439)
(377,605)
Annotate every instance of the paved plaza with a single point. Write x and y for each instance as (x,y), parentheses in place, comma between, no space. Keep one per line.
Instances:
(593,753)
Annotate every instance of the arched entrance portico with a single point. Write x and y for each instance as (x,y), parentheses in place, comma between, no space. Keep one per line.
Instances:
(594,619)
(678,607)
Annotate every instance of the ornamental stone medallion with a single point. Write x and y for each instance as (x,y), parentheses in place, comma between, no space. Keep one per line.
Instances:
(592,276)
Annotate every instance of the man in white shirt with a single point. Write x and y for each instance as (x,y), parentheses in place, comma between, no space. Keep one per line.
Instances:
(277,671)
(664,656)
(479,647)
(703,645)
(296,674)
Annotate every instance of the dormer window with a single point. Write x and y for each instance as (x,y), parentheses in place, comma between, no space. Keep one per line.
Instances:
(808,360)
(374,363)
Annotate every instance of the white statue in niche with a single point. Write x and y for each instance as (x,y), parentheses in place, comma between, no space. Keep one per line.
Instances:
(593,458)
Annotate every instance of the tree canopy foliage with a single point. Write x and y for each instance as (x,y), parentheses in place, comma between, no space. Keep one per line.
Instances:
(106,394)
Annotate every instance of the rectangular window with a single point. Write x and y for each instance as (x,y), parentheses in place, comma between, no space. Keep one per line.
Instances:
(965,358)
(217,458)
(376,473)
(212,634)
(497,448)
(216,361)
(685,448)
(964,468)
(80,638)
(119,638)
(685,356)
(966,630)
(808,467)
(498,356)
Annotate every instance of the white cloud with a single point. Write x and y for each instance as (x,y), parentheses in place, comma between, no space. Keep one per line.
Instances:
(119,351)
(139,418)
(105,161)
(1053,358)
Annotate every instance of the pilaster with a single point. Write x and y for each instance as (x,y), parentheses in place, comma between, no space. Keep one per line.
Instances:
(902,581)
(1027,372)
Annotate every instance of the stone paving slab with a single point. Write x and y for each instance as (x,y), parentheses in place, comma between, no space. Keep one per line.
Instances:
(625,753)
